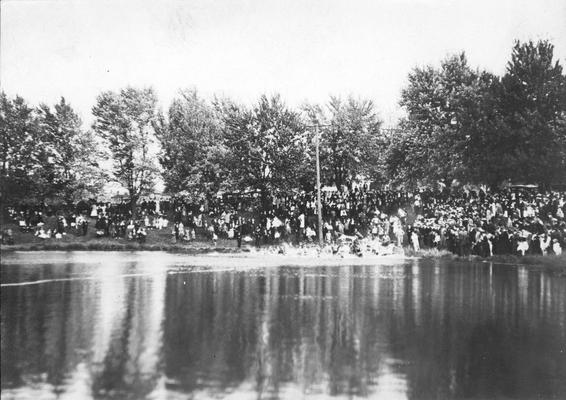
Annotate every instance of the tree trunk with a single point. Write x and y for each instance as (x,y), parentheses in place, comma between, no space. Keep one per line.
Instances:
(134,204)
(264,200)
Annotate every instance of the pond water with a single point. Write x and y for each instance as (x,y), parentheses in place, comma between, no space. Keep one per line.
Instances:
(155,326)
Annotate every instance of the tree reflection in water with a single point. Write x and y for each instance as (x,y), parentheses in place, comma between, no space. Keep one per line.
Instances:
(420,330)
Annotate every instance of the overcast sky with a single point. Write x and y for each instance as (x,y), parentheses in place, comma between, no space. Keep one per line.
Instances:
(303,49)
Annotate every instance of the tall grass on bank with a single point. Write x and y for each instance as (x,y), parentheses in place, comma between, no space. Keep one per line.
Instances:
(161,240)
(549,261)
(114,246)
(428,253)
(554,262)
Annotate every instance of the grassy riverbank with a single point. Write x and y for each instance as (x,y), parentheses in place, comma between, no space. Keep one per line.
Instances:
(161,240)
(556,263)
(114,245)
(156,240)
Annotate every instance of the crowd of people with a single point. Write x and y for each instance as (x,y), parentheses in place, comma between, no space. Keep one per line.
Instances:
(488,223)
(464,221)
(114,220)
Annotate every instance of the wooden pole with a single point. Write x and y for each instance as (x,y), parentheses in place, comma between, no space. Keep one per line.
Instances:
(318,203)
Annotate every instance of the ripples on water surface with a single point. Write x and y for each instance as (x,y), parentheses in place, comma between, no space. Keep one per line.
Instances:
(135,326)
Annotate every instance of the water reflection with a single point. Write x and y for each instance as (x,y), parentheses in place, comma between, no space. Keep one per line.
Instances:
(139,329)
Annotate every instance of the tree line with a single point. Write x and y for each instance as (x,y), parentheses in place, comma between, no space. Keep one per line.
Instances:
(462,124)
(477,127)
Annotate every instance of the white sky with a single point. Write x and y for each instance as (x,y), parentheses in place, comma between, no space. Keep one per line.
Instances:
(303,49)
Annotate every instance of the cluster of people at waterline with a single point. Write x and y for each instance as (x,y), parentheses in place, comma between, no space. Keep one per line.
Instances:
(465,222)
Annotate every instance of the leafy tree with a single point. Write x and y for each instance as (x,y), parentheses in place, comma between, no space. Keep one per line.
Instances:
(192,150)
(351,141)
(533,109)
(475,127)
(267,145)
(18,151)
(125,120)
(87,176)
(45,154)
(69,155)
(485,136)
(402,158)
(443,110)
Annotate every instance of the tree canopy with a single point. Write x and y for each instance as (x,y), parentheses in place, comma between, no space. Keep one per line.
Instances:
(461,124)
(351,142)
(472,126)
(46,155)
(267,145)
(192,149)
(441,105)
(125,120)
(533,110)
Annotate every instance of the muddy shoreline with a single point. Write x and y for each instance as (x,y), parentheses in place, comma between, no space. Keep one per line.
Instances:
(271,254)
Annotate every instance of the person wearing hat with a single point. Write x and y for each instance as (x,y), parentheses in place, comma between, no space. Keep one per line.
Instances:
(415,240)
(535,245)
(544,243)
(522,245)
(556,248)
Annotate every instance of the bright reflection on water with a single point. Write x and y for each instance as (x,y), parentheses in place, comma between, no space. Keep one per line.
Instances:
(150,326)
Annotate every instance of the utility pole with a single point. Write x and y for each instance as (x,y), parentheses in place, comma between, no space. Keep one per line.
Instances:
(316,126)
(318,203)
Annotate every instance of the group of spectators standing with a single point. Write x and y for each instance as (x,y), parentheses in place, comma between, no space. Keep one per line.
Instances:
(114,220)
(481,222)
(487,223)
